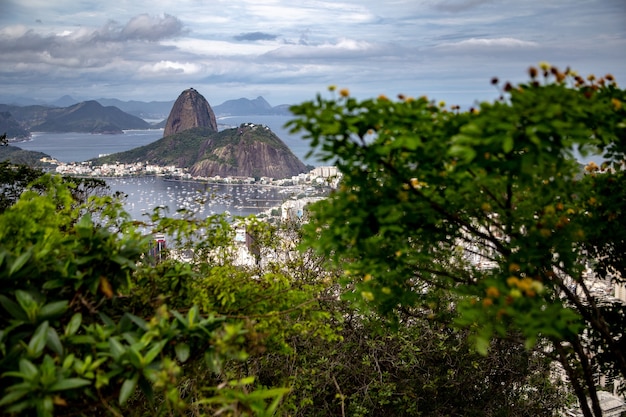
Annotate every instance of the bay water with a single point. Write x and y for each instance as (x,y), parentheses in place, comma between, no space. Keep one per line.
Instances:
(146,193)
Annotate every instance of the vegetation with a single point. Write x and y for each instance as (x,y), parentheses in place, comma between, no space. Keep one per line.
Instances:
(96,323)
(436,281)
(489,206)
(18,156)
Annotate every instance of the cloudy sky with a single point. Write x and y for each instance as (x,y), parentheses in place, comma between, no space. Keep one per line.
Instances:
(289,50)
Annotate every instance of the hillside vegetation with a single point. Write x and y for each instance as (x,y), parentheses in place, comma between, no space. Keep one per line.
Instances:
(249,150)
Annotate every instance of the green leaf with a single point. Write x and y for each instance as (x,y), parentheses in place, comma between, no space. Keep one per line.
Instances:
(28,369)
(507,144)
(38,341)
(20,262)
(154,351)
(53,309)
(143,325)
(482,345)
(117,349)
(11,397)
(73,325)
(54,342)
(27,302)
(128,387)
(13,308)
(69,383)
(182,351)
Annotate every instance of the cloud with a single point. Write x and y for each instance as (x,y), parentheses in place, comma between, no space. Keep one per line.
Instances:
(87,47)
(255,36)
(152,28)
(171,67)
(488,43)
(456,6)
(343,48)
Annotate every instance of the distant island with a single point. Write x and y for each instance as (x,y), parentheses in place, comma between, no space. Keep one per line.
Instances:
(19,117)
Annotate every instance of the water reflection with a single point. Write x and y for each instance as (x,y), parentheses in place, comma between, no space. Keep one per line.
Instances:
(203,199)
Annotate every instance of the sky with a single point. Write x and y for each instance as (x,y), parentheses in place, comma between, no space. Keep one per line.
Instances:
(288,51)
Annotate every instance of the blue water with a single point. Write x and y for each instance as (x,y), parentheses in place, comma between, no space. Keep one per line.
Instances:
(144,194)
(78,147)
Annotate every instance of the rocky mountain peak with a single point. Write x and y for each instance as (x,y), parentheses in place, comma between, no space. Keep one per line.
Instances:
(190,110)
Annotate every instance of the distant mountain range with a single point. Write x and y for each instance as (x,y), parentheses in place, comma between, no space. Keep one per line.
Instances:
(158,110)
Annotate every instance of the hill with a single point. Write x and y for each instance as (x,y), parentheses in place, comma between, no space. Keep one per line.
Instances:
(91,117)
(249,151)
(246,107)
(12,128)
(19,156)
(87,116)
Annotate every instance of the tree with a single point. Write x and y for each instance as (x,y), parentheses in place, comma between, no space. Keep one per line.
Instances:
(488,204)
(339,360)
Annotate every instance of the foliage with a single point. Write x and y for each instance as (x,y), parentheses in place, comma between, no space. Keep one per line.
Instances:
(74,337)
(489,205)
(341,361)
(14,178)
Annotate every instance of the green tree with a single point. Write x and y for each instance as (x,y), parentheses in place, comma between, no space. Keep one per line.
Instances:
(339,360)
(488,204)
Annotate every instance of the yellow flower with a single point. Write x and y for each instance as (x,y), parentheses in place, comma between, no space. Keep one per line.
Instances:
(332,87)
(367,277)
(344,92)
(616,103)
(367,295)
(514,268)
(512,281)
(591,167)
(537,286)
(493,292)
(544,65)
(386,290)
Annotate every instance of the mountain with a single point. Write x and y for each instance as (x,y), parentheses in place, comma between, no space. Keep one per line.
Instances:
(153,110)
(16,155)
(246,107)
(65,101)
(91,117)
(249,151)
(12,128)
(190,110)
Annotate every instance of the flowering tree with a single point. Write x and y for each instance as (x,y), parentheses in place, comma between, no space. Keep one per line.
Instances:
(490,205)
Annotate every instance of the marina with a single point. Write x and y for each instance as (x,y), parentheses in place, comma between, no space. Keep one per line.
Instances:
(177,198)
